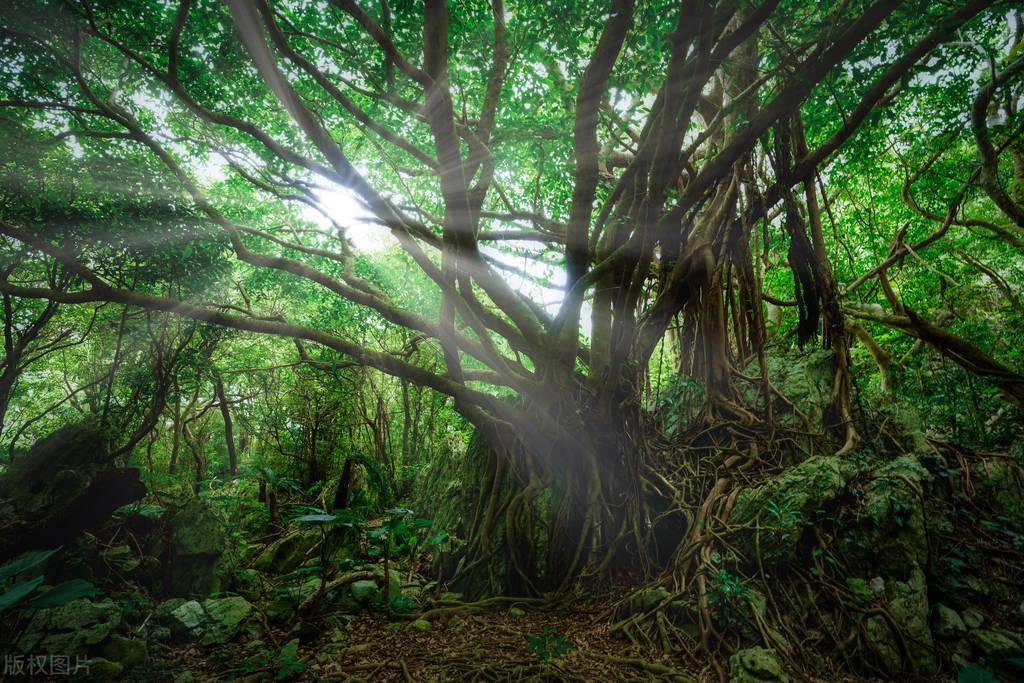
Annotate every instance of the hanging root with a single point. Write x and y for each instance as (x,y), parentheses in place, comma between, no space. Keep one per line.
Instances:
(703,614)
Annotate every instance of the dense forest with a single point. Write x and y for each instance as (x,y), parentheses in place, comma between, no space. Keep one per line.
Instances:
(352,340)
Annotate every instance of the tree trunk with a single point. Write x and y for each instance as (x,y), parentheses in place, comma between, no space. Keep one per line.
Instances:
(229,437)
(572,470)
(275,515)
(341,493)
(176,429)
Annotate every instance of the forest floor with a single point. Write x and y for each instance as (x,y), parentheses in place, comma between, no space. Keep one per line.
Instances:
(495,644)
(565,642)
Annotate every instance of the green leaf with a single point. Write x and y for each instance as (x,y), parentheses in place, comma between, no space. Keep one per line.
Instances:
(973,673)
(315,518)
(63,593)
(26,561)
(438,538)
(20,590)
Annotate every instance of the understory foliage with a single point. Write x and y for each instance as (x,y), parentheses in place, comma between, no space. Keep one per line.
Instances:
(612,290)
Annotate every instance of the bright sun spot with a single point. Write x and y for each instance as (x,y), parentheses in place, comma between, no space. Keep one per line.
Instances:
(345,209)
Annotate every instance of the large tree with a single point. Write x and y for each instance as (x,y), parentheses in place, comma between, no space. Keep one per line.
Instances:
(646,152)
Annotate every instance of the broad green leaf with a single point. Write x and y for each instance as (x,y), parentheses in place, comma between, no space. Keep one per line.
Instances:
(973,673)
(16,594)
(315,518)
(64,593)
(25,562)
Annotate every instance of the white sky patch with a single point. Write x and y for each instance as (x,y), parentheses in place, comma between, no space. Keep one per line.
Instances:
(369,237)
(341,205)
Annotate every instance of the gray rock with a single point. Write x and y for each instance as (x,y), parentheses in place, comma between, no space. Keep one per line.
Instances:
(946,623)
(186,620)
(756,665)
(215,621)
(226,617)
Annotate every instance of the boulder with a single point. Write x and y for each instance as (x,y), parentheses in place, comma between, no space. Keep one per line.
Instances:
(892,522)
(186,619)
(649,598)
(226,617)
(62,486)
(806,381)
(986,642)
(289,552)
(973,618)
(795,496)
(101,670)
(946,622)
(214,621)
(1000,482)
(365,591)
(198,540)
(394,580)
(132,654)
(70,629)
(756,665)
(908,606)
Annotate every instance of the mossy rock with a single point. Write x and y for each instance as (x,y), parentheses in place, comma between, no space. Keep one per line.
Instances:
(365,591)
(796,496)
(101,670)
(1000,483)
(648,599)
(756,665)
(214,621)
(198,539)
(806,380)
(946,622)
(989,643)
(70,629)
(889,535)
(289,552)
(908,606)
(130,653)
